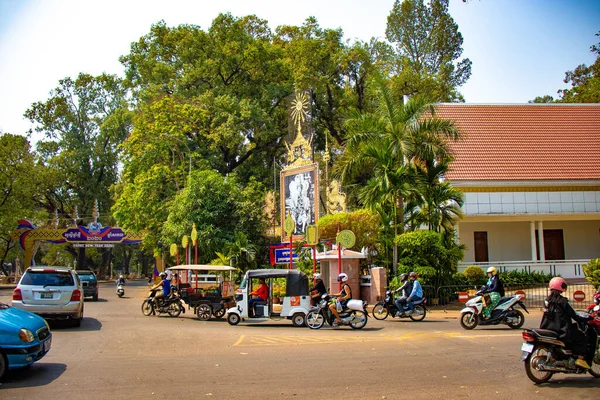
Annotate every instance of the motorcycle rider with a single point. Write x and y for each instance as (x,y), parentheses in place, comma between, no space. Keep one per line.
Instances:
(495,289)
(319,287)
(405,289)
(120,280)
(557,317)
(416,293)
(342,297)
(166,289)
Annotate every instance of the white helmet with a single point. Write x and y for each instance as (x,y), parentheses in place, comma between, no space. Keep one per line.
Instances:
(121,276)
(343,277)
(317,275)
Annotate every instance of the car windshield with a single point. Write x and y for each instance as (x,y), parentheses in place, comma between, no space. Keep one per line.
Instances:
(47,278)
(86,277)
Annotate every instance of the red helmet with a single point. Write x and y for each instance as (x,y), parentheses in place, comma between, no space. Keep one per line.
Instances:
(558,283)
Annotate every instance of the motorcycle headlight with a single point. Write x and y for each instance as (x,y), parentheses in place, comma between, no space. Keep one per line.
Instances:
(26,335)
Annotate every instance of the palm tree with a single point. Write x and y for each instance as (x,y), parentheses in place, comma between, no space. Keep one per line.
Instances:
(242,251)
(390,142)
(435,202)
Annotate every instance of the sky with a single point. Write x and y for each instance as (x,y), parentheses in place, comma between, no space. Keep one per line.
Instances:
(520,49)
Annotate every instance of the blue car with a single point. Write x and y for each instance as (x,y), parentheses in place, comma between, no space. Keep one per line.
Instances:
(24,338)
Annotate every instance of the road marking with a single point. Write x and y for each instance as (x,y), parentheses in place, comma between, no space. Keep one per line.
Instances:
(270,340)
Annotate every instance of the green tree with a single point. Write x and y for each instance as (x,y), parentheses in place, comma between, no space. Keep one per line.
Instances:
(584,80)
(242,251)
(222,210)
(18,189)
(430,249)
(83,122)
(390,142)
(591,271)
(427,47)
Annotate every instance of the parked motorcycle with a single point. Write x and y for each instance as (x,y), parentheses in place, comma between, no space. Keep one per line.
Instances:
(354,314)
(504,312)
(545,354)
(120,290)
(382,309)
(171,305)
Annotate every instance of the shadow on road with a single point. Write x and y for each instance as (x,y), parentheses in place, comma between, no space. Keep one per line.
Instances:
(95,301)
(38,374)
(586,381)
(87,325)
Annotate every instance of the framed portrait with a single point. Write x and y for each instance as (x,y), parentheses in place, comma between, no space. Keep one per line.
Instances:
(300,198)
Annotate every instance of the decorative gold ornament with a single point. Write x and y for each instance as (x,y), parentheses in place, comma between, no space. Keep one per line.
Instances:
(269,208)
(300,151)
(336,199)
(194,235)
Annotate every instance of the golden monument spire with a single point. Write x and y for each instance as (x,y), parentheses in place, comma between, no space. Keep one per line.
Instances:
(299,152)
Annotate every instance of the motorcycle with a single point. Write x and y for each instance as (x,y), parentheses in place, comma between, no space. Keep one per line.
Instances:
(504,312)
(171,305)
(545,354)
(120,290)
(596,299)
(382,309)
(354,314)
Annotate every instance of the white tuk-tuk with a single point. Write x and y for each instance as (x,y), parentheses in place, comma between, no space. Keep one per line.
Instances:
(295,305)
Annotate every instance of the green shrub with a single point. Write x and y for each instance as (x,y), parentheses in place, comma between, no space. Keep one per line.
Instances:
(591,271)
(474,275)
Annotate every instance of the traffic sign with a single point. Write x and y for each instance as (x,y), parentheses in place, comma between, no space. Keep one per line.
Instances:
(579,296)
(289,225)
(463,297)
(522,294)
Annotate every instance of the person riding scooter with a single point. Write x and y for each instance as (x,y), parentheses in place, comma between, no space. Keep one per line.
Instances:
(416,293)
(495,289)
(557,317)
(166,289)
(405,289)
(342,298)
(120,280)
(319,287)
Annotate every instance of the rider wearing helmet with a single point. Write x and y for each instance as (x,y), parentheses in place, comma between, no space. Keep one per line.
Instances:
(120,280)
(166,288)
(405,289)
(342,297)
(416,293)
(495,289)
(557,317)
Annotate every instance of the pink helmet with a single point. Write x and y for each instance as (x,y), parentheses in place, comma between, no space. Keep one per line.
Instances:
(558,283)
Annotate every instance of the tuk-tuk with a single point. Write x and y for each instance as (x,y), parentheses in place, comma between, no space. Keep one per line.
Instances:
(295,305)
(205,288)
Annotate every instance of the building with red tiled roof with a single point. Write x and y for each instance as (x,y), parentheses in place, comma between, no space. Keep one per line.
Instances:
(524,169)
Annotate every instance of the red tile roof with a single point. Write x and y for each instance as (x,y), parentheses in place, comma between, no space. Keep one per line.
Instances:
(525,141)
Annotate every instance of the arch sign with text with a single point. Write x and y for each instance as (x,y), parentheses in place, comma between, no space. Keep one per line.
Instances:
(94,235)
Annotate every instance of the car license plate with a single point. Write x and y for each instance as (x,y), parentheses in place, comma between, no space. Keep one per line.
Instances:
(47,344)
(46,295)
(528,347)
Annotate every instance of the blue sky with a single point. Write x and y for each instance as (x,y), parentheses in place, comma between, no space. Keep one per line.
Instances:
(520,49)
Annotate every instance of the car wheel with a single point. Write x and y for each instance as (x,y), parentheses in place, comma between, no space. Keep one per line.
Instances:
(3,365)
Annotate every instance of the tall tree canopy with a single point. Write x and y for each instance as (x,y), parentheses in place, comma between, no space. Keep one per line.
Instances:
(427,46)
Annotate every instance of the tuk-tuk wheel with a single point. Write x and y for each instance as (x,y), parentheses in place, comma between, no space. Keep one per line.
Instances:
(203,312)
(233,319)
(220,313)
(298,319)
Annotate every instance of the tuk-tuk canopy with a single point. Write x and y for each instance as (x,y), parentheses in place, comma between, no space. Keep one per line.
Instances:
(201,267)
(296,281)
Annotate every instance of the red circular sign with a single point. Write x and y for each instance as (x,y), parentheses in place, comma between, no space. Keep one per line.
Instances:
(579,296)
(522,293)
(463,297)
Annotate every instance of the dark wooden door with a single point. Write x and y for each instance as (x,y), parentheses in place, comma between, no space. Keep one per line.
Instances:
(481,247)
(554,244)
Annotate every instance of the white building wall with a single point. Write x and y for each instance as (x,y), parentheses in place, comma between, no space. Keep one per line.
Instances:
(483,203)
(510,241)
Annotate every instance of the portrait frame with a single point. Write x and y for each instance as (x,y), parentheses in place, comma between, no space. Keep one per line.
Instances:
(294,196)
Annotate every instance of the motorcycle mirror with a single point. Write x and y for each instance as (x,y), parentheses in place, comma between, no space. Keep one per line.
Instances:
(597,308)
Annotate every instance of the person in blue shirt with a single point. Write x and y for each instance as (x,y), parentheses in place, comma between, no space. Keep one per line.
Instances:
(166,289)
(415,295)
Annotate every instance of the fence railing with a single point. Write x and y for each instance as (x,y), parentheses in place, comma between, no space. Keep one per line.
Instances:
(446,297)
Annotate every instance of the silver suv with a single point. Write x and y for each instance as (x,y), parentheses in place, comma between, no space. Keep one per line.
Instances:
(51,292)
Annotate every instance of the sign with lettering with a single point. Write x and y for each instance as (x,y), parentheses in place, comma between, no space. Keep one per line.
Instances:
(107,234)
(282,256)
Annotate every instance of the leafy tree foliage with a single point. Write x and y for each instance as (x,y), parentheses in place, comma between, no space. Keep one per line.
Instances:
(429,249)
(18,180)
(219,207)
(584,80)
(427,47)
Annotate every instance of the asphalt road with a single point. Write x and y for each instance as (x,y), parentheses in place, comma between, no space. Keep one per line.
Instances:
(118,353)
